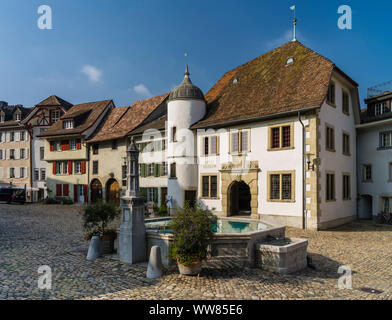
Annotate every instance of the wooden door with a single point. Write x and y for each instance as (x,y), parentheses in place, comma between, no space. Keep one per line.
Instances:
(190,198)
(96,190)
(163,196)
(114,192)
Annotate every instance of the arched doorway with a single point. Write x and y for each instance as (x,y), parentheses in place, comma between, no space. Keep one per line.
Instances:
(240,199)
(96,190)
(113,192)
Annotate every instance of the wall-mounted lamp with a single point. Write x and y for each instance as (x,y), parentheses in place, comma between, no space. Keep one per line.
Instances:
(309,162)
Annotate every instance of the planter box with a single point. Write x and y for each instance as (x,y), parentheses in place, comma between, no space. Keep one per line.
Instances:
(107,246)
(283,259)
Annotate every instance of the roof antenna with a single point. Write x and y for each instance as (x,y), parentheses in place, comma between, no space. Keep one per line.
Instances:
(294,23)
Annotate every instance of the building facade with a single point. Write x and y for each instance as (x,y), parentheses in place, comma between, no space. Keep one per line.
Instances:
(374,157)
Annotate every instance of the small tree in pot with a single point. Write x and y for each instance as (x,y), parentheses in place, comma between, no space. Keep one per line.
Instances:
(192,234)
(96,219)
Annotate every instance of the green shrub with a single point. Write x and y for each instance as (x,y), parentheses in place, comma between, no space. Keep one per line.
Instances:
(51,201)
(162,211)
(67,201)
(96,217)
(192,234)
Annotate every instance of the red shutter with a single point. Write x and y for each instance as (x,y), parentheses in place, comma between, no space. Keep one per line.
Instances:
(75,193)
(51,145)
(62,145)
(83,167)
(85,193)
(69,167)
(78,144)
(65,190)
(66,145)
(54,167)
(58,190)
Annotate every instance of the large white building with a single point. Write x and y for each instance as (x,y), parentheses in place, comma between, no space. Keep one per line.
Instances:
(374,157)
(274,139)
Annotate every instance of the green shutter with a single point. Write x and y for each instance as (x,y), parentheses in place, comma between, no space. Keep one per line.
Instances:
(155,195)
(156,170)
(143,192)
(143,170)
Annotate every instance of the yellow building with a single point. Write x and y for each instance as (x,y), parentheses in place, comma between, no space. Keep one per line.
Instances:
(66,150)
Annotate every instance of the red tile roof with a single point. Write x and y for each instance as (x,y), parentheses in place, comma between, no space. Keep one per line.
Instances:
(268,85)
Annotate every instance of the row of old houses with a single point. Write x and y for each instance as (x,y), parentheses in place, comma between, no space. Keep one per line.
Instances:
(281,138)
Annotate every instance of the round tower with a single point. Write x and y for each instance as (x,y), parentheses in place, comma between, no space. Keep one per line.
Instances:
(186,105)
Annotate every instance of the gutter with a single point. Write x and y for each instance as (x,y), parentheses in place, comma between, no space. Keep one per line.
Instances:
(373,123)
(261,118)
(304,224)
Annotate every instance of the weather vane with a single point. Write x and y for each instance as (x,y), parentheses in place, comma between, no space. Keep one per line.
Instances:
(294,23)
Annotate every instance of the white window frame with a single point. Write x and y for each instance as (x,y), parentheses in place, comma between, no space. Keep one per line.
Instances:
(68,124)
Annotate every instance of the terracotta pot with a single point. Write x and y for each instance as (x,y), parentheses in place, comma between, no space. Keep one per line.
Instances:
(191,270)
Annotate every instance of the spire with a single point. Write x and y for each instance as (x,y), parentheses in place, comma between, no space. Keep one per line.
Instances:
(294,23)
(187,74)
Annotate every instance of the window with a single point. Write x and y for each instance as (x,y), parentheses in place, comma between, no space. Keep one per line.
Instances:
(2,118)
(281,137)
(1,137)
(173,173)
(12,154)
(72,144)
(150,194)
(367,173)
(330,138)
(65,167)
(345,103)
(12,136)
(386,205)
(210,145)
(55,116)
(386,139)
(41,153)
(95,148)
(12,172)
(17,116)
(57,146)
(281,186)
(209,186)
(22,173)
(1,155)
(150,169)
(22,154)
(58,167)
(43,174)
(174,134)
(380,108)
(114,144)
(22,135)
(78,167)
(68,124)
(389,167)
(36,174)
(346,187)
(330,187)
(331,94)
(95,167)
(239,141)
(164,169)
(346,144)
(164,145)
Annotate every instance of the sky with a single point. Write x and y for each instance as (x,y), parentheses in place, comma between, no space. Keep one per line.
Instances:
(128,50)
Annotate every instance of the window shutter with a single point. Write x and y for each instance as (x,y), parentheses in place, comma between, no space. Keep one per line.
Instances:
(234,142)
(85,193)
(69,167)
(65,190)
(156,169)
(143,170)
(244,141)
(155,195)
(83,167)
(66,146)
(58,190)
(143,192)
(78,144)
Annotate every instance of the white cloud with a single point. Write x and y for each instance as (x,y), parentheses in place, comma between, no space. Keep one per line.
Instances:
(142,90)
(93,73)
(286,37)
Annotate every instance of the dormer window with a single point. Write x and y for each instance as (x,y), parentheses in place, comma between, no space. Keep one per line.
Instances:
(289,61)
(380,108)
(2,118)
(55,116)
(68,124)
(17,116)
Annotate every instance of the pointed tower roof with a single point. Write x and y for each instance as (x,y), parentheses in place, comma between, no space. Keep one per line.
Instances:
(186,90)
(55,101)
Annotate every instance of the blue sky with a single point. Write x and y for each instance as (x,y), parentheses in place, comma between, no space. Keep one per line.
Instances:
(129,50)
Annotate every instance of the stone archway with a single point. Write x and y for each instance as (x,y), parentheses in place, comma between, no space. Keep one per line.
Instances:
(239,199)
(247,173)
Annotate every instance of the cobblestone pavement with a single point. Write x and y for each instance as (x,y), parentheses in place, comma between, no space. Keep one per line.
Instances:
(35,235)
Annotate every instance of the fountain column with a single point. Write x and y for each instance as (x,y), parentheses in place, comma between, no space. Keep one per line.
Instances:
(132,231)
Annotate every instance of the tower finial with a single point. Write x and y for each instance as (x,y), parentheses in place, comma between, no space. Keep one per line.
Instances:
(187,74)
(294,23)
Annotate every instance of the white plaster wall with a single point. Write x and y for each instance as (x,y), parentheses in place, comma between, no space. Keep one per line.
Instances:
(336,161)
(37,163)
(367,153)
(287,160)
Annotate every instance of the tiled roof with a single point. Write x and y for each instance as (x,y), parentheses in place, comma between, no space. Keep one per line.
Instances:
(120,122)
(268,85)
(85,114)
(8,112)
(55,101)
(158,124)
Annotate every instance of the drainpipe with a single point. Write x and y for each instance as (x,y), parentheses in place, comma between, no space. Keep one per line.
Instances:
(303,172)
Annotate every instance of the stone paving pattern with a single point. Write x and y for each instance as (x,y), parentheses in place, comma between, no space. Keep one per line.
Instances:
(35,235)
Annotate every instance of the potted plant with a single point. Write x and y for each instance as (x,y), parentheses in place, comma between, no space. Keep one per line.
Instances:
(96,219)
(192,235)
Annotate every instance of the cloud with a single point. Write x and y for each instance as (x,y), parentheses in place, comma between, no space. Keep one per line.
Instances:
(142,90)
(93,73)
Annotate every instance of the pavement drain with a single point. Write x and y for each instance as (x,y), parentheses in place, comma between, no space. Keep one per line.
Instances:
(371,290)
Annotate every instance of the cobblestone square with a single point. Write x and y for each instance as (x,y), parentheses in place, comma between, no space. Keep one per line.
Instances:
(35,235)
